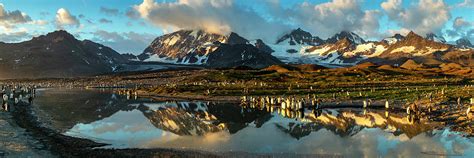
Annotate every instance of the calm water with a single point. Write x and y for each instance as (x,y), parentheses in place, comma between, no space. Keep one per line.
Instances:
(222,127)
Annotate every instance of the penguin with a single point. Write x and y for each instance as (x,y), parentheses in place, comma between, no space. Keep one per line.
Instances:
(468,111)
(5,106)
(459,101)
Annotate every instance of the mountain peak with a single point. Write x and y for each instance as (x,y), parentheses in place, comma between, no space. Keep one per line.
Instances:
(60,33)
(235,38)
(351,36)
(301,37)
(436,38)
(464,43)
(299,31)
(413,35)
(56,36)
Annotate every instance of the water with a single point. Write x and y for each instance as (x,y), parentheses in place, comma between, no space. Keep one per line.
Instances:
(225,127)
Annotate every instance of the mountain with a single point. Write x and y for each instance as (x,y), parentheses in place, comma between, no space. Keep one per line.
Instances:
(422,50)
(350,36)
(342,49)
(301,47)
(57,54)
(197,47)
(394,39)
(464,43)
(299,37)
(227,55)
(263,47)
(415,45)
(348,48)
(130,57)
(436,38)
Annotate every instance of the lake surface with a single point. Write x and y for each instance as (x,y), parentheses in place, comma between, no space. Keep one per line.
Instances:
(105,117)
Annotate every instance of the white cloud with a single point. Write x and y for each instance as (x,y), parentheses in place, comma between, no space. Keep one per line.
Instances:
(329,18)
(18,35)
(425,17)
(8,19)
(216,16)
(223,16)
(39,22)
(64,18)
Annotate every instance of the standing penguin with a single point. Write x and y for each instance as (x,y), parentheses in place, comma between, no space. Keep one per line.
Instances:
(5,106)
(459,101)
(468,111)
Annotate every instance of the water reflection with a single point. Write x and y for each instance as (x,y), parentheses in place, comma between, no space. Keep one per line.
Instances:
(224,127)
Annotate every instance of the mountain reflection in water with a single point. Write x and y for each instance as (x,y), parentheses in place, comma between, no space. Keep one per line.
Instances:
(222,127)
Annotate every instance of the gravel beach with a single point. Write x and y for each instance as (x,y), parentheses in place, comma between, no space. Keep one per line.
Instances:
(15,142)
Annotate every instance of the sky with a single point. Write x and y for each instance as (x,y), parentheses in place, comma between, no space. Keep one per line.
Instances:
(128,26)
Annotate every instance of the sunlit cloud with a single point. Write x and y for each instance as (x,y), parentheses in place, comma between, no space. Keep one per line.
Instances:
(428,16)
(65,18)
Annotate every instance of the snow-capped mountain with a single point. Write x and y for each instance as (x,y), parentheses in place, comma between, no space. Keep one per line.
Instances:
(184,47)
(436,38)
(198,47)
(350,36)
(57,54)
(414,45)
(300,47)
(394,39)
(342,49)
(262,46)
(299,37)
(421,50)
(347,48)
(464,43)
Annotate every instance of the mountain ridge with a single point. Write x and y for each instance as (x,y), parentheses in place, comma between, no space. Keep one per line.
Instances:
(56,54)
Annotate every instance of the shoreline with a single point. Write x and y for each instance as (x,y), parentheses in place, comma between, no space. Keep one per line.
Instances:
(65,146)
(16,142)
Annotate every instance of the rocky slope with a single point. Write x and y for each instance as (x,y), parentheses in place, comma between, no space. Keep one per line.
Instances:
(422,50)
(197,47)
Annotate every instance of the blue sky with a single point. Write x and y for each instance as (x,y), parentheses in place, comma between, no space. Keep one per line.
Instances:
(107,21)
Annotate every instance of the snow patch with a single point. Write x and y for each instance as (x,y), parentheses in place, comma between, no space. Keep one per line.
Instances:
(194,34)
(157,58)
(391,40)
(404,49)
(171,41)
